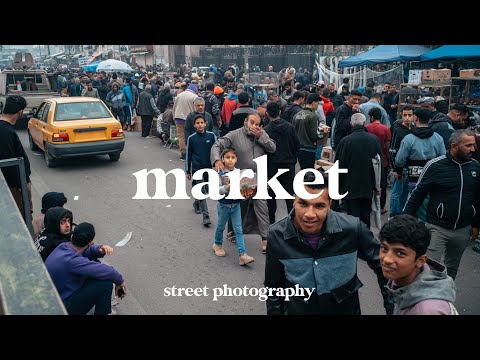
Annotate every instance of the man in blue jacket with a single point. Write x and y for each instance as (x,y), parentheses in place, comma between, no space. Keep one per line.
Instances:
(81,281)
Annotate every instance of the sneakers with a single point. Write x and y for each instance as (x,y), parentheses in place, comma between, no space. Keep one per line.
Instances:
(476,246)
(244,259)
(114,312)
(231,237)
(206,220)
(264,246)
(218,249)
(196,207)
(183,157)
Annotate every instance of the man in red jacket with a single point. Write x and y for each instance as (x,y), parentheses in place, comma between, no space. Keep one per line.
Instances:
(230,105)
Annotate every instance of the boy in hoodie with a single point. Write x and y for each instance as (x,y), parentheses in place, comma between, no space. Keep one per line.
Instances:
(49,200)
(419,286)
(58,225)
(229,209)
(198,157)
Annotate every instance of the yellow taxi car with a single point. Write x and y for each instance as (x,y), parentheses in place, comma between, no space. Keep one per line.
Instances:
(65,127)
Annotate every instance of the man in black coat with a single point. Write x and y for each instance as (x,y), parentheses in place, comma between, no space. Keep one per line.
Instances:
(284,157)
(452,181)
(343,115)
(355,153)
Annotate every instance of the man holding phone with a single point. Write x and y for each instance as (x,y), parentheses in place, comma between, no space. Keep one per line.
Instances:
(80,279)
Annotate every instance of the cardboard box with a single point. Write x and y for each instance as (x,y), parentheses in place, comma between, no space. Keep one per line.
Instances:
(328,154)
(415,77)
(469,73)
(325,165)
(137,126)
(436,76)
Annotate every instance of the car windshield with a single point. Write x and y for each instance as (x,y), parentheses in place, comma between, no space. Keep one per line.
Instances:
(81,111)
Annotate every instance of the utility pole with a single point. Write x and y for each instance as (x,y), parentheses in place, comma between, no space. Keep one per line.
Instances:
(246,56)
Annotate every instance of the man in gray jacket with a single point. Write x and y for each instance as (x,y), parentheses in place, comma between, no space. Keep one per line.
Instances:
(250,142)
(146,108)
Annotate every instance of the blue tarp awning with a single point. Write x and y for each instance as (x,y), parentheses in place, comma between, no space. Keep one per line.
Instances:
(91,67)
(384,54)
(452,52)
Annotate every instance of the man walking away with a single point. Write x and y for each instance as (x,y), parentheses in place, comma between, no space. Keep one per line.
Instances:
(284,157)
(355,153)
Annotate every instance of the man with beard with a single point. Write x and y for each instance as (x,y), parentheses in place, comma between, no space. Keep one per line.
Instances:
(250,142)
(452,181)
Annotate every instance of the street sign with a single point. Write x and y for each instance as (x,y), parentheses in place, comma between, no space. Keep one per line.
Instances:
(82,61)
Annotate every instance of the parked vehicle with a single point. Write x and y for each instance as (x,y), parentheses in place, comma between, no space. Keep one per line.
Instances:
(33,85)
(65,127)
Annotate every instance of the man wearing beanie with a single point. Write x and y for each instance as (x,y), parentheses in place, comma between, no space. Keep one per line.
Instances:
(49,200)
(183,105)
(82,282)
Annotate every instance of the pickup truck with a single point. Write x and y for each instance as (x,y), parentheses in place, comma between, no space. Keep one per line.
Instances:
(11,81)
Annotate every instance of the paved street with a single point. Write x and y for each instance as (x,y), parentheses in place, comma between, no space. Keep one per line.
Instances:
(170,246)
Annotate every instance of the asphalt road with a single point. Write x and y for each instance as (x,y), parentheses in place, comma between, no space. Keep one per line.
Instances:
(169,246)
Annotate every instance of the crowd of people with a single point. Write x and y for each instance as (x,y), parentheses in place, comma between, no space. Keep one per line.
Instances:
(434,208)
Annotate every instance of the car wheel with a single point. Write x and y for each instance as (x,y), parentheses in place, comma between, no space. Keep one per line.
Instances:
(114,156)
(33,146)
(49,160)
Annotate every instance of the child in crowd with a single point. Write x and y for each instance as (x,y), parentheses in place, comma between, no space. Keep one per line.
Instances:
(228,208)
(419,286)
(49,200)
(58,227)
(198,157)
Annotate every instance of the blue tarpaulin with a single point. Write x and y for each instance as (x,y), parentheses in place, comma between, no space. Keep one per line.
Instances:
(384,54)
(91,67)
(452,52)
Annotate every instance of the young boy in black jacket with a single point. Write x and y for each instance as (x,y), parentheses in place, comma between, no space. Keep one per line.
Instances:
(198,157)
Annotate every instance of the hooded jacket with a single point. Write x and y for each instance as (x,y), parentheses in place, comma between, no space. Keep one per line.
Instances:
(416,149)
(431,293)
(49,200)
(163,99)
(290,111)
(229,106)
(286,140)
(442,125)
(50,236)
